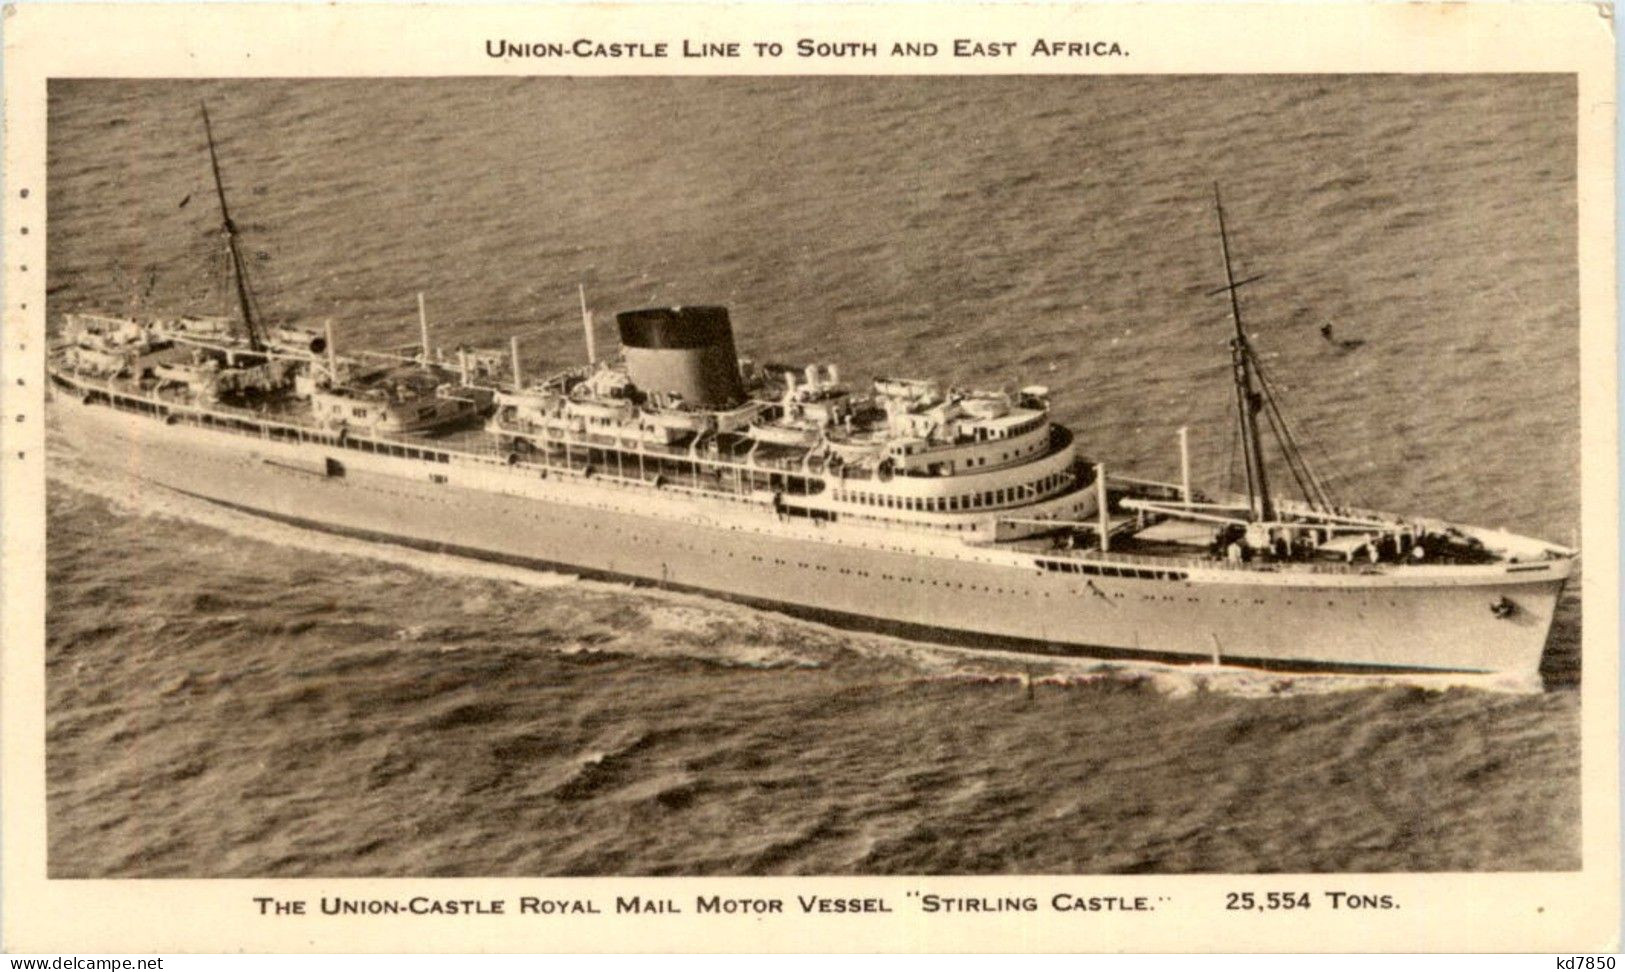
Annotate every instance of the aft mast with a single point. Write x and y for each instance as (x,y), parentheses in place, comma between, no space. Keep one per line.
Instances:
(239,269)
(1248,399)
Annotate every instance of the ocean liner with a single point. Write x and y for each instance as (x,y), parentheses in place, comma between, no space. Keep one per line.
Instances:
(948,514)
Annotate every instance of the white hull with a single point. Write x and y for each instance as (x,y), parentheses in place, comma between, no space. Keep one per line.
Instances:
(1436,618)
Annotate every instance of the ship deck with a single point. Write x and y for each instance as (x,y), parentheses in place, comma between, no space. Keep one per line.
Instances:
(1064,549)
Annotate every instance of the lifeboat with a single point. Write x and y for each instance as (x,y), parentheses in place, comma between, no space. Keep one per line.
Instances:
(297,340)
(610,411)
(908,389)
(195,376)
(672,419)
(210,328)
(785,435)
(856,452)
(986,406)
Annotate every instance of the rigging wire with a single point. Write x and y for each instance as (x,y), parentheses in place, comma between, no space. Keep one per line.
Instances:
(1332,474)
(1305,478)
(1301,475)
(1311,482)
(1235,450)
(220,296)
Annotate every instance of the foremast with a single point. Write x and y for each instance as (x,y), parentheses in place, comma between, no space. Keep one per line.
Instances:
(1265,523)
(1244,367)
(1256,397)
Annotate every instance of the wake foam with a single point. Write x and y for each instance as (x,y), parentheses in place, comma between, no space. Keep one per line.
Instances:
(1180,681)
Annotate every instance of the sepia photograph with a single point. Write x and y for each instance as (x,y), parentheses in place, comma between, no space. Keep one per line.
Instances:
(812,475)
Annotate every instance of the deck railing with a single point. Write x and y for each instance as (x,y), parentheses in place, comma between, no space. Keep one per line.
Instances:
(475,447)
